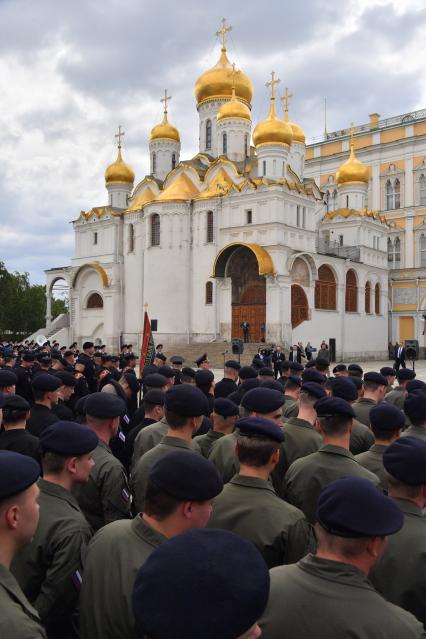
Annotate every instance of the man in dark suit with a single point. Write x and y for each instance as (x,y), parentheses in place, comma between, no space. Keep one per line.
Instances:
(295,354)
(278,357)
(399,356)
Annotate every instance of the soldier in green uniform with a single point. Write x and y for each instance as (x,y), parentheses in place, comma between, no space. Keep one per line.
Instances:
(390,374)
(397,395)
(386,424)
(49,568)
(281,533)
(400,576)
(374,392)
(361,436)
(415,411)
(106,496)
(328,595)
(214,582)
(307,476)
(291,396)
(179,495)
(19,513)
(224,416)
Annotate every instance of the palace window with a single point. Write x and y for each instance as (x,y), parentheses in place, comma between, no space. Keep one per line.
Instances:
(297,215)
(95,301)
(249,216)
(173,161)
(397,255)
(422,190)
(334,204)
(351,292)
(325,289)
(154,163)
(423,251)
(95,237)
(131,238)
(377,299)
(155,230)
(210,226)
(304,217)
(367,297)
(224,143)
(246,145)
(393,194)
(264,167)
(208,134)
(209,292)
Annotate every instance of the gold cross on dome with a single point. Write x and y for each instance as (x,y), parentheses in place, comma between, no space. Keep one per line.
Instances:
(352,132)
(272,84)
(286,99)
(223,31)
(119,135)
(165,100)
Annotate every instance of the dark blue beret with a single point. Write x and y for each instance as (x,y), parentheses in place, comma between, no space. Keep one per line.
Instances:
(129,356)
(314,389)
(356,368)
(344,388)
(259,427)
(415,406)
(250,383)
(46,382)
(232,363)
(17,473)
(188,371)
(339,368)
(387,370)
(405,373)
(386,416)
(322,361)
(155,380)
(15,402)
(294,366)
(247,372)
(160,356)
(204,377)
(7,378)
(356,381)
(294,380)
(167,371)
(186,475)
(257,364)
(186,400)
(87,345)
(263,400)
(66,378)
(266,372)
(377,378)
(415,384)
(80,405)
(105,405)
(272,383)
(285,365)
(177,359)
(354,507)
(106,357)
(215,583)
(333,406)
(28,357)
(68,438)
(405,459)
(224,407)
(155,396)
(312,375)
(201,359)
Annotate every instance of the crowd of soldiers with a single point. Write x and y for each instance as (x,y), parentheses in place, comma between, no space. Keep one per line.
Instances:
(159,504)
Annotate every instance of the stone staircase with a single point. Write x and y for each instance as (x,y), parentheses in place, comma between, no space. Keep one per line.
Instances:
(217,352)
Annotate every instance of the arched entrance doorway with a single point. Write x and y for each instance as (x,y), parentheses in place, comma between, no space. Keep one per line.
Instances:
(299,305)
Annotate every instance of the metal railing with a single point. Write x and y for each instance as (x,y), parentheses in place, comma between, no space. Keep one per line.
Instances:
(325,247)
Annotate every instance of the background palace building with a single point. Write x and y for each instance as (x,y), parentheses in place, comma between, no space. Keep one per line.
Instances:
(303,242)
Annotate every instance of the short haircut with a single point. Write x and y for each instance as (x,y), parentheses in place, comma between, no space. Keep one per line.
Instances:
(255,451)
(347,546)
(231,369)
(14,415)
(306,399)
(335,424)
(150,407)
(159,504)
(405,490)
(371,387)
(39,394)
(383,433)
(355,373)
(290,385)
(186,379)
(174,420)
(53,462)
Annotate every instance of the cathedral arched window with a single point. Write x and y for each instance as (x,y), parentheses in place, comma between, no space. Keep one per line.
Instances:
(208,134)
(389,195)
(155,230)
(264,167)
(154,163)
(210,226)
(325,289)
(423,251)
(397,194)
(377,299)
(422,189)
(209,292)
(327,200)
(334,199)
(173,161)
(95,301)
(246,145)
(367,295)
(390,252)
(131,238)
(224,143)
(351,292)
(397,253)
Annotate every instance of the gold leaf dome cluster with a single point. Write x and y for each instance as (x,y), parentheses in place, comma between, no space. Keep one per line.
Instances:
(298,133)
(119,172)
(353,170)
(234,109)
(273,130)
(217,82)
(165,131)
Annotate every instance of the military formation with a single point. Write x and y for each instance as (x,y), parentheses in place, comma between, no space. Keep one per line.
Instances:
(283,501)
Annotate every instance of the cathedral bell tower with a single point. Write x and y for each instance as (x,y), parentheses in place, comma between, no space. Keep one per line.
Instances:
(119,178)
(164,145)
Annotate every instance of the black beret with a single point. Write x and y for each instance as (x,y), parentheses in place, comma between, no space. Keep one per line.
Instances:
(204,377)
(232,363)
(354,507)
(155,380)
(344,388)
(405,459)
(44,358)
(328,406)
(285,365)
(340,368)
(188,371)
(259,427)
(247,372)
(266,372)
(356,381)
(415,384)
(160,356)
(386,416)
(66,378)
(356,368)
(129,356)
(322,361)
(415,406)
(295,366)
(201,359)
(387,370)
(17,473)
(106,357)
(55,354)
(257,364)
(377,378)
(271,383)
(199,572)
(186,475)
(177,359)
(68,438)
(7,378)
(28,357)
(167,371)
(15,402)
(68,353)
(314,389)
(294,380)
(251,382)
(224,407)
(155,396)
(105,405)
(405,373)
(46,382)
(313,375)
(132,381)
(87,345)
(187,401)
(263,400)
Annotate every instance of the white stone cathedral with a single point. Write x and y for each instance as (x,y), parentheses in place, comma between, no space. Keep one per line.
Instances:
(235,233)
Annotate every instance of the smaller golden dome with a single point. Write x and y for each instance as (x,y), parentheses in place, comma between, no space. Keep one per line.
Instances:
(272,130)
(234,109)
(119,172)
(165,131)
(353,170)
(298,133)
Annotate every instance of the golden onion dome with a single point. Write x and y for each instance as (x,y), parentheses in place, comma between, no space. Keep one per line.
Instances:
(273,130)
(353,170)
(217,82)
(234,109)
(119,172)
(298,133)
(165,131)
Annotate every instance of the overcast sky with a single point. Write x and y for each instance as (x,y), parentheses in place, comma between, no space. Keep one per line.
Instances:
(70,72)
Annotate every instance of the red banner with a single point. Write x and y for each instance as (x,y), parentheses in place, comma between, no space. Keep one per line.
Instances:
(148,347)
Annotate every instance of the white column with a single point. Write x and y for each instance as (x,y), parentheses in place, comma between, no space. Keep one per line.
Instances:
(375,185)
(48,308)
(409,240)
(408,199)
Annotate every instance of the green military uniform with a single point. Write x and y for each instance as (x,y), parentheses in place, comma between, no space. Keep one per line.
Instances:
(18,619)
(307,476)
(48,568)
(362,408)
(397,396)
(112,560)
(106,496)
(415,431)
(331,600)
(207,440)
(291,407)
(141,470)
(223,457)
(301,439)
(149,437)
(389,388)
(361,438)
(400,576)
(372,460)
(249,507)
